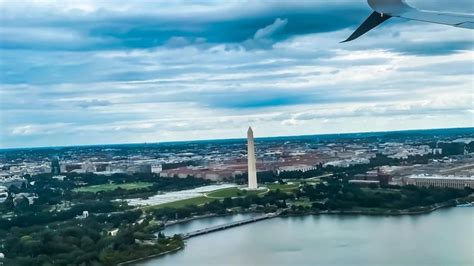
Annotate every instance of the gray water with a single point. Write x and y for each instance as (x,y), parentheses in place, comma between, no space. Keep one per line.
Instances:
(444,237)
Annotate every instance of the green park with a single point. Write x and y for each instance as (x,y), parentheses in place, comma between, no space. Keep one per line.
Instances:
(112,186)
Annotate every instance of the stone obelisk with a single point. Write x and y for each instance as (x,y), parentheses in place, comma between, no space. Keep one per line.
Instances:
(252,168)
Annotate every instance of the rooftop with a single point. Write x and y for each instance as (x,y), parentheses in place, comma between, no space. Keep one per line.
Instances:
(423,176)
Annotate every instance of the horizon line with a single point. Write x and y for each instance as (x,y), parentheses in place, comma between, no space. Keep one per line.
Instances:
(223,139)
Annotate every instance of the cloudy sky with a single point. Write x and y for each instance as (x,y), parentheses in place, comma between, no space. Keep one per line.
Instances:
(92,72)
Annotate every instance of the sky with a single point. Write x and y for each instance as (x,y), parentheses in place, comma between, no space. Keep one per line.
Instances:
(100,72)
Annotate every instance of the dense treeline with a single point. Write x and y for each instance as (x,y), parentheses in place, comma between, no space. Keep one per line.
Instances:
(74,180)
(52,191)
(29,217)
(340,195)
(158,184)
(267,203)
(334,194)
(86,241)
(40,211)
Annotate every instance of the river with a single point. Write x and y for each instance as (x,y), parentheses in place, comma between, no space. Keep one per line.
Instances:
(444,237)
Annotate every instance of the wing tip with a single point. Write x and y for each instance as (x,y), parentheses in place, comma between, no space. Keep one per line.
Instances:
(371,22)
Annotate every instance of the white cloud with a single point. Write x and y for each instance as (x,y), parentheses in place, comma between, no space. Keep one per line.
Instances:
(305,84)
(263,38)
(270,30)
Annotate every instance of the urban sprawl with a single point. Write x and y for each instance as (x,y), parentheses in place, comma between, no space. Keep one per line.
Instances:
(446,161)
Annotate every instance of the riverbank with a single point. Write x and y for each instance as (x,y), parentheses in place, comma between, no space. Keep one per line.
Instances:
(372,212)
(426,209)
(193,218)
(421,210)
(130,262)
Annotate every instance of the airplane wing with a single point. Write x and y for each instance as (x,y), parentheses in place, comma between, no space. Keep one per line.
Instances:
(385,9)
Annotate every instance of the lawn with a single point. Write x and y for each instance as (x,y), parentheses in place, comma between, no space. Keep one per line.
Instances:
(233,192)
(211,196)
(303,202)
(224,193)
(181,203)
(283,187)
(109,187)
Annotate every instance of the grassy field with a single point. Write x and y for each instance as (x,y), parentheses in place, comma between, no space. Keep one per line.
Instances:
(313,182)
(233,192)
(284,187)
(109,187)
(224,193)
(181,203)
(304,203)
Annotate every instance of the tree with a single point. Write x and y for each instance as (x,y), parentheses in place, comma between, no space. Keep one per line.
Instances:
(227,202)
(87,243)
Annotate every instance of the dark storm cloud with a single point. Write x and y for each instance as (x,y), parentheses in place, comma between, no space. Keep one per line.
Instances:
(113,30)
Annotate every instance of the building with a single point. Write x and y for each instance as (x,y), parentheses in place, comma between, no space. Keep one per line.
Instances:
(375,175)
(139,168)
(72,167)
(59,177)
(55,167)
(156,168)
(3,193)
(21,196)
(88,167)
(252,167)
(459,182)
(13,181)
(364,182)
(347,162)
(298,167)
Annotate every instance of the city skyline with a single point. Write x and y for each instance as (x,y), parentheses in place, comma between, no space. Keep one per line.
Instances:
(80,74)
(232,139)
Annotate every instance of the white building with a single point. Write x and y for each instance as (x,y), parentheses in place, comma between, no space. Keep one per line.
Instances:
(88,167)
(3,193)
(298,167)
(458,182)
(156,168)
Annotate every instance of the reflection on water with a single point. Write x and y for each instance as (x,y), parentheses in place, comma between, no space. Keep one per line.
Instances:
(445,237)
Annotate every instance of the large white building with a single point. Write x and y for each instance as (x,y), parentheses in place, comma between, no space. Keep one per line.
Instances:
(458,182)
(298,167)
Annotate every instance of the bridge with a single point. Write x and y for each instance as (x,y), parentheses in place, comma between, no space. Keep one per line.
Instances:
(229,225)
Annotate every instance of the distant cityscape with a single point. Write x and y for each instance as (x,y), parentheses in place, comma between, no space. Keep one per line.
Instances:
(113,203)
(450,164)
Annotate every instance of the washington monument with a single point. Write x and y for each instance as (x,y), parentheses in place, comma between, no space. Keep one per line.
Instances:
(252,168)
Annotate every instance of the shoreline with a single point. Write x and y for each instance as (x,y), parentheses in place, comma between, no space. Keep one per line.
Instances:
(129,262)
(429,209)
(371,213)
(173,222)
(335,212)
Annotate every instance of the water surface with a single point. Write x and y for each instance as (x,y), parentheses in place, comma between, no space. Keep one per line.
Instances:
(445,237)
